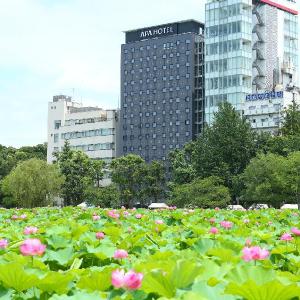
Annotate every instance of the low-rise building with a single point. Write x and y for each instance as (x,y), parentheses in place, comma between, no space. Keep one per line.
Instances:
(265,111)
(90,129)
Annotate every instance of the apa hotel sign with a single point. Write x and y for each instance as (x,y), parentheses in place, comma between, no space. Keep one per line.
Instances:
(160,31)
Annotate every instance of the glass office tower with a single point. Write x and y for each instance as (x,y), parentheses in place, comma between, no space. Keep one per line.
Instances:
(228,54)
(251,48)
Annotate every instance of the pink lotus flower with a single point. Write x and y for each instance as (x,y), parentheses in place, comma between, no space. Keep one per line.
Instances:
(120,254)
(14,217)
(23,216)
(100,235)
(286,237)
(226,224)
(117,278)
(254,253)
(30,230)
(96,217)
(295,231)
(133,209)
(125,213)
(246,221)
(113,214)
(213,230)
(3,243)
(159,222)
(217,208)
(133,280)
(138,216)
(130,280)
(32,247)
(212,220)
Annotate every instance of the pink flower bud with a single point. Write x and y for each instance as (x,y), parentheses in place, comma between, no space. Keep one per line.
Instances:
(295,231)
(159,222)
(286,237)
(120,254)
(212,220)
(226,224)
(213,230)
(100,235)
(3,244)
(138,216)
(248,242)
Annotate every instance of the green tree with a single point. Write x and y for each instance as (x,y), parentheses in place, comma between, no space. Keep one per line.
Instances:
(225,148)
(33,183)
(292,175)
(153,181)
(126,174)
(183,170)
(78,172)
(97,171)
(291,123)
(264,180)
(206,193)
(283,145)
(107,196)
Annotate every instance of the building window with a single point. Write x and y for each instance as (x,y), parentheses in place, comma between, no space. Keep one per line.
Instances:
(55,137)
(57,124)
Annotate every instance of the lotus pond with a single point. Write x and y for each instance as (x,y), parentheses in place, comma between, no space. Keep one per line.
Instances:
(71,253)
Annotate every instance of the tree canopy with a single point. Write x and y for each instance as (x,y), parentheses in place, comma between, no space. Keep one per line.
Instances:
(33,183)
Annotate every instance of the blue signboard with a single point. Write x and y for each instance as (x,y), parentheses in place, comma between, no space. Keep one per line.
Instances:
(265,95)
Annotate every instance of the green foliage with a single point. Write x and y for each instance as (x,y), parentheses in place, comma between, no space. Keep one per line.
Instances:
(263,180)
(292,176)
(97,171)
(183,170)
(283,145)
(79,172)
(153,182)
(291,124)
(10,157)
(107,196)
(126,174)
(179,259)
(33,183)
(225,148)
(138,181)
(272,179)
(207,193)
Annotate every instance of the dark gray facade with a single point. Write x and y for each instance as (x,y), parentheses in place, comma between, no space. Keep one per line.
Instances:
(162,89)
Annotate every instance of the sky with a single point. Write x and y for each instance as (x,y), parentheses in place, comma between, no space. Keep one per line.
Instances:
(72,47)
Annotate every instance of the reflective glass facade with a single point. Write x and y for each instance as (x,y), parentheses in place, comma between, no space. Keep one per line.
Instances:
(228,55)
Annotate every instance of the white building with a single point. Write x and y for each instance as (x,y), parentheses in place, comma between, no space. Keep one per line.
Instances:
(265,111)
(90,129)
